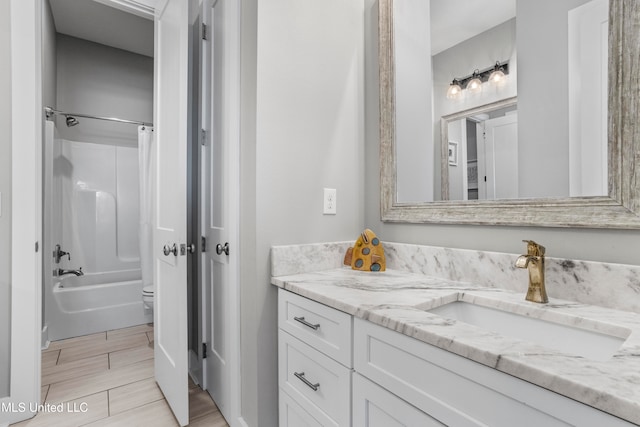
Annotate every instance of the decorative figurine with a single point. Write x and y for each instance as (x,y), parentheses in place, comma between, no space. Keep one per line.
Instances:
(367,254)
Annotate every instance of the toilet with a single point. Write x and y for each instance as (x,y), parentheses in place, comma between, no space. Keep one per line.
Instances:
(147,299)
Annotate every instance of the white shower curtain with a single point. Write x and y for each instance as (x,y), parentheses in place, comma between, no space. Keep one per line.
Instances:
(145,141)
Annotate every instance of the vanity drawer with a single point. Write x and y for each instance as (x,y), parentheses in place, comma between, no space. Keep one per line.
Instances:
(324,328)
(318,383)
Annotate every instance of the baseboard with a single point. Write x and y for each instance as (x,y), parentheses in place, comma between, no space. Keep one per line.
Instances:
(240,422)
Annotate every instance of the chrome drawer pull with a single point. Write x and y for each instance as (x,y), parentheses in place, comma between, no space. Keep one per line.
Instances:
(301,377)
(305,323)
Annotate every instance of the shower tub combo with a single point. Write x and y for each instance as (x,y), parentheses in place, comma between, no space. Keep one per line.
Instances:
(91,211)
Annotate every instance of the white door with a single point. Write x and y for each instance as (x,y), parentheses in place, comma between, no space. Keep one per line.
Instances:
(20,379)
(501,157)
(170,265)
(220,205)
(214,204)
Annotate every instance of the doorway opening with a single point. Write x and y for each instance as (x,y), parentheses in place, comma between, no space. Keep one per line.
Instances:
(99,61)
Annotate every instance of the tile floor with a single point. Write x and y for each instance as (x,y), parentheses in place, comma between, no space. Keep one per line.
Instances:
(106,379)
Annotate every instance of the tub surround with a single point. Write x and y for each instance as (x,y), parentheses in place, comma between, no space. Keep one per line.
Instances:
(421,277)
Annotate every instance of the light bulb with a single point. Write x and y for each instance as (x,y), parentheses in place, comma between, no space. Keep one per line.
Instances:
(497,75)
(454,90)
(475,84)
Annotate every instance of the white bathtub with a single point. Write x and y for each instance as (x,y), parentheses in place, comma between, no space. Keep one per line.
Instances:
(95,302)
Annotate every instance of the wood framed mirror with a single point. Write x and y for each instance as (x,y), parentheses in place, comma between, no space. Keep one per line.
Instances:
(620,208)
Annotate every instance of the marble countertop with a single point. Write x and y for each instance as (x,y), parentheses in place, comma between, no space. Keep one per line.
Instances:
(398,300)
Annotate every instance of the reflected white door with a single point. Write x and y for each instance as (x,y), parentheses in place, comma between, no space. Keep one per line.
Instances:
(215,213)
(170,261)
(501,157)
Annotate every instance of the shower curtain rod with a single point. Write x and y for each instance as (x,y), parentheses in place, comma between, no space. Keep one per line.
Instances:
(50,111)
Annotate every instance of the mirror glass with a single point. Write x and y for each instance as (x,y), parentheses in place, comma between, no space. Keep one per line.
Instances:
(539,132)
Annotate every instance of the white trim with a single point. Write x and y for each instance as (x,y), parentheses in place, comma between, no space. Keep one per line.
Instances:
(144,9)
(26,264)
(233,60)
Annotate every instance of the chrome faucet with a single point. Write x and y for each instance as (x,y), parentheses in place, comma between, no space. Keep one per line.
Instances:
(534,262)
(78,272)
(59,253)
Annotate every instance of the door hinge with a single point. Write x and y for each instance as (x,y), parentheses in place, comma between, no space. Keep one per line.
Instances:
(203,136)
(204,350)
(485,178)
(203,243)
(37,246)
(204,31)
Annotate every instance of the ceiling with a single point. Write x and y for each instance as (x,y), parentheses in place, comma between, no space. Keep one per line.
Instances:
(99,23)
(453,21)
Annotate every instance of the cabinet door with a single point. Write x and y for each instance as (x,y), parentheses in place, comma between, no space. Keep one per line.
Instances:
(293,415)
(374,406)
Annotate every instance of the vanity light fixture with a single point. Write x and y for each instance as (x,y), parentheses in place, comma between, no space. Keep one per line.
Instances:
(473,83)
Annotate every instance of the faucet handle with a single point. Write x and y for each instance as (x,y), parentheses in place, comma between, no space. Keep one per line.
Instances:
(534,249)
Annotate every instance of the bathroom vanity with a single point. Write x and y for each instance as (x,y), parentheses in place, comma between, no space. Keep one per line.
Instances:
(408,348)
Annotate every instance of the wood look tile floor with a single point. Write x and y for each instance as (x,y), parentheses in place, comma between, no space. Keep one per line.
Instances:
(106,379)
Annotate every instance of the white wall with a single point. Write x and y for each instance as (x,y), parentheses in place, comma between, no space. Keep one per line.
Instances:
(618,246)
(5,190)
(308,135)
(102,81)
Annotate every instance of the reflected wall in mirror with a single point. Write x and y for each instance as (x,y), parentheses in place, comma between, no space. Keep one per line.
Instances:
(572,179)
(562,92)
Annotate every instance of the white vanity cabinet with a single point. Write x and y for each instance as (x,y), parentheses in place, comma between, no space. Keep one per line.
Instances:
(314,363)
(336,370)
(457,391)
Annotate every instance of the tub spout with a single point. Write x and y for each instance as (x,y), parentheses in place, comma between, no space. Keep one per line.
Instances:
(78,272)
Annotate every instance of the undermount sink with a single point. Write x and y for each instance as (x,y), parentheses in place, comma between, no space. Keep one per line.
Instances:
(567,339)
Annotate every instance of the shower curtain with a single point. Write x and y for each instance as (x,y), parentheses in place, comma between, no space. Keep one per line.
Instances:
(145,140)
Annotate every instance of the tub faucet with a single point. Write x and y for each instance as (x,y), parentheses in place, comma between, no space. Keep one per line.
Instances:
(59,253)
(534,262)
(78,272)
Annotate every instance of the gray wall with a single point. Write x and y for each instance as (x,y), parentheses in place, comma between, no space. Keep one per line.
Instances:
(618,246)
(413,94)
(543,102)
(5,189)
(303,71)
(49,57)
(479,52)
(103,81)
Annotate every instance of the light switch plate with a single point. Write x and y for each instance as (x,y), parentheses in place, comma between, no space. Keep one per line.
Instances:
(329,201)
